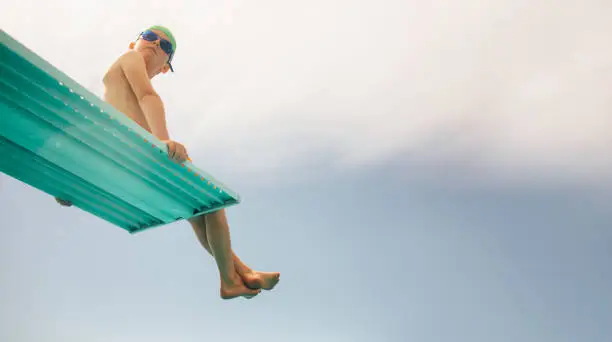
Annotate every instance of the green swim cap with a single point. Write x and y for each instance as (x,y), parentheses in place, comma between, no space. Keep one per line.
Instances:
(167,32)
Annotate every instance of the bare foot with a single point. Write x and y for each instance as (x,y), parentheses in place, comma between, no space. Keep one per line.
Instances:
(261,280)
(237,289)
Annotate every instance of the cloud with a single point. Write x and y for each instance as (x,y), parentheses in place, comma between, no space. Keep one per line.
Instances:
(512,88)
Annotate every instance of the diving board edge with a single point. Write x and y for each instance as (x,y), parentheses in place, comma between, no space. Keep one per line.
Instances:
(63,79)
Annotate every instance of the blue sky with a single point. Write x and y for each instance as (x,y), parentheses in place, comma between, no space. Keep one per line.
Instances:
(416,172)
(363,258)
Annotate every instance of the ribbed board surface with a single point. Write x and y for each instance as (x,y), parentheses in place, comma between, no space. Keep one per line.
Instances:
(61,139)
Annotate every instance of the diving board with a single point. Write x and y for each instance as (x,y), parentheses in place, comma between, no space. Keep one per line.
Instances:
(60,138)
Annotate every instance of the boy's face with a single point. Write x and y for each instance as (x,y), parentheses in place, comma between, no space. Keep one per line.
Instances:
(155,57)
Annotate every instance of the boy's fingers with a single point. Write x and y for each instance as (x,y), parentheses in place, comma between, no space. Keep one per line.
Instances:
(171,150)
(177,151)
(64,202)
(181,153)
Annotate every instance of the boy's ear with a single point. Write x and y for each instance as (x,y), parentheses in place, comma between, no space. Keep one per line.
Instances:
(165,68)
(132,44)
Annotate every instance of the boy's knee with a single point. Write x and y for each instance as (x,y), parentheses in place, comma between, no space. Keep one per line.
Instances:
(216,216)
(199,220)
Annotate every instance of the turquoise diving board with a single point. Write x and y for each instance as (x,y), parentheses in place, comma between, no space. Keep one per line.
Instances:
(60,138)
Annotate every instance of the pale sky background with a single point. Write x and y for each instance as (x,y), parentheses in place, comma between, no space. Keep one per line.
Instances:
(416,171)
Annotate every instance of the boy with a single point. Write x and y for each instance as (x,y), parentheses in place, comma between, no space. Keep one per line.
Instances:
(128,88)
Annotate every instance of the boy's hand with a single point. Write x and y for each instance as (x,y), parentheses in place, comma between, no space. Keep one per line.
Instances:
(63,202)
(176,151)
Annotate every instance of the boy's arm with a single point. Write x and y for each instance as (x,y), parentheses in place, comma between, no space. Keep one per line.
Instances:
(134,69)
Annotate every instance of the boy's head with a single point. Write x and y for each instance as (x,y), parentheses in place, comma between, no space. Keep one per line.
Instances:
(158,46)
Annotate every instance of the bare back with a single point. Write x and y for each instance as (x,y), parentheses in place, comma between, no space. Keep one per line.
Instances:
(119,93)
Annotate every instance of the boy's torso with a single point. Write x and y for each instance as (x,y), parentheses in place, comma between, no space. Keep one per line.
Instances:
(119,94)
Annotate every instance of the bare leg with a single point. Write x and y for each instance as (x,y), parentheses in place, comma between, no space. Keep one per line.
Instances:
(251,278)
(216,229)
(199,227)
